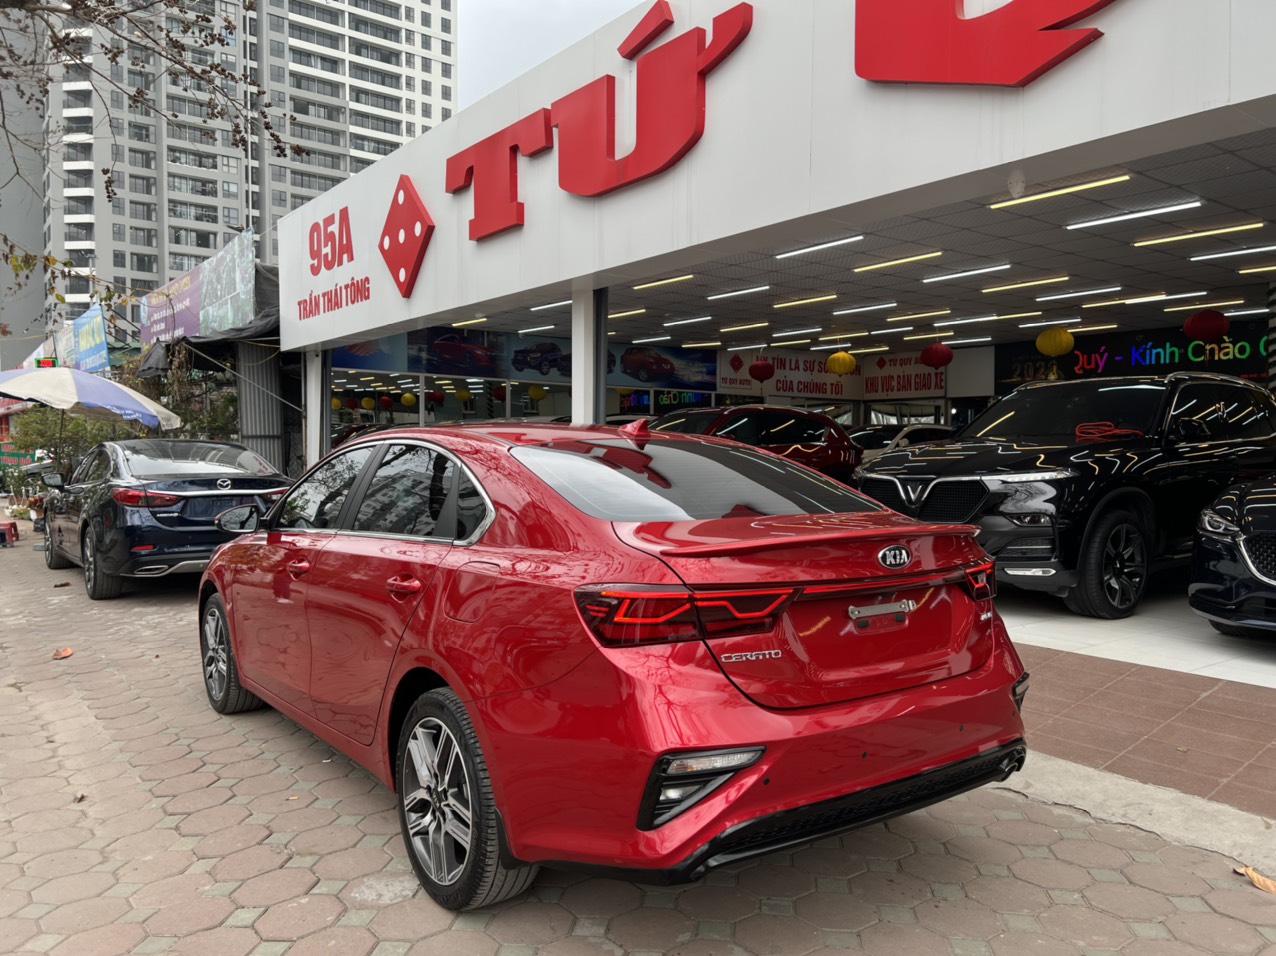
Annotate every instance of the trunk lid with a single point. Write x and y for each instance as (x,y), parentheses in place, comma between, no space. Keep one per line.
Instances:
(198,501)
(853,626)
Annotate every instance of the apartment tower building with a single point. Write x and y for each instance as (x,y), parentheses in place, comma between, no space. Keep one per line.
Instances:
(349,81)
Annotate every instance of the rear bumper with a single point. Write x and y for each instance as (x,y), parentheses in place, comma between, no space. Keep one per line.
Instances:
(803,825)
(570,793)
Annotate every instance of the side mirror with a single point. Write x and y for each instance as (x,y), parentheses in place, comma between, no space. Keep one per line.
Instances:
(52,479)
(242,520)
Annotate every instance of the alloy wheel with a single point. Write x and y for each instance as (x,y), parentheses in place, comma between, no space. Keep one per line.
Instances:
(215,653)
(437,801)
(1124,566)
(90,564)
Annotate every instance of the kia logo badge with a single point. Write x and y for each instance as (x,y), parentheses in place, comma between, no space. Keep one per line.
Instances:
(895,558)
(224,485)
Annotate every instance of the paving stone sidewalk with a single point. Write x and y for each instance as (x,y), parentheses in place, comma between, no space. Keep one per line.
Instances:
(135,820)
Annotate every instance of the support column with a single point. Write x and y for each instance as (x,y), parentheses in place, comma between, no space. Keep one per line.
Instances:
(261,413)
(1271,336)
(314,401)
(589,356)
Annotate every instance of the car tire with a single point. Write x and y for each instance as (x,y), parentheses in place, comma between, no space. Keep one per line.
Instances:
(1114,568)
(459,866)
(643,374)
(225,693)
(99,585)
(54,559)
(1238,630)
(545,368)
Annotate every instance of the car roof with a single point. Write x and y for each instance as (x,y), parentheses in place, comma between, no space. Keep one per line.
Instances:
(498,433)
(1151,380)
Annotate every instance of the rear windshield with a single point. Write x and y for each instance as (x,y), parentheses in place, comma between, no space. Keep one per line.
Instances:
(155,459)
(683,481)
(871,439)
(685,424)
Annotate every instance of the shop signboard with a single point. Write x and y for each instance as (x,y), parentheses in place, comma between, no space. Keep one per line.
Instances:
(89,334)
(899,376)
(800,377)
(1158,352)
(215,296)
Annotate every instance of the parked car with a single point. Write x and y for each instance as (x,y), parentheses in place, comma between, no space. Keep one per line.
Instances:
(543,357)
(453,350)
(145,508)
(878,439)
(1083,489)
(565,363)
(642,654)
(646,364)
(809,438)
(1234,562)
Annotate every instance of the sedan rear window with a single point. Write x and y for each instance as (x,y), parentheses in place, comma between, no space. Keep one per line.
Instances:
(683,481)
(163,459)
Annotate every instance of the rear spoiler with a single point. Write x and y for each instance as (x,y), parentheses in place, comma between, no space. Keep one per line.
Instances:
(829,537)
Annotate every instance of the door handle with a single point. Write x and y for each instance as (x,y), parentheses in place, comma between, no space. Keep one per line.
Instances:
(298,568)
(403,585)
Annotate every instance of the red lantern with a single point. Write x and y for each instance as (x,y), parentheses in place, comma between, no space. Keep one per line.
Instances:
(386,402)
(763,370)
(1207,325)
(437,398)
(936,356)
(498,392)
(352,403)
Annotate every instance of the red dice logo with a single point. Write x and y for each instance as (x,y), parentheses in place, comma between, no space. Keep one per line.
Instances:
(406,236)
(736,364)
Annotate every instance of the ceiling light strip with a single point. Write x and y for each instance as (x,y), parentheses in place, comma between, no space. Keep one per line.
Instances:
(741,328)
(1028,285)
(1164,210)
(778,335)
(799,302)
(1093,328)
(728,295)
(1079,295)
(662,282)
(1041,325)
(539,328)
(1199,235)
(552,305)
(626,315)
(928,335)
(967,275)
(881,307)
(920,315)
(822,246)
(1233,252)
(703,318)
(1206,305)
(899,262)
(659,338)
(461,325)
(1065,191)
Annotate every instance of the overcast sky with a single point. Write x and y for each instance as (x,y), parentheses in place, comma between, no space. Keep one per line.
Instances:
(500,39)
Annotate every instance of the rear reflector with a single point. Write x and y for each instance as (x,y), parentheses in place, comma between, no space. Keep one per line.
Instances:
(141,498)
(629,615)
(981,580)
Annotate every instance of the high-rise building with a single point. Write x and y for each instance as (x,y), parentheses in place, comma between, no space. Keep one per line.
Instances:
(349,81)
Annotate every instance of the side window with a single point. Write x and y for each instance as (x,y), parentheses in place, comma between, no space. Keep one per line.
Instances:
(1220,413)
(81,473)
(407,493)
(743,428)
(471,509)
(316,501)
(99,467)
(779,428)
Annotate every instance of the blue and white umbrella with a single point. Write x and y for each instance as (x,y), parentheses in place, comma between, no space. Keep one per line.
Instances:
(89,395)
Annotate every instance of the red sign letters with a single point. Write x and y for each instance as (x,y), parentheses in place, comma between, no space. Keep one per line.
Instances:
(671,120)
(928,41)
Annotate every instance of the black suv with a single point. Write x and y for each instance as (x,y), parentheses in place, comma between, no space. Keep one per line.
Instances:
(1082,489)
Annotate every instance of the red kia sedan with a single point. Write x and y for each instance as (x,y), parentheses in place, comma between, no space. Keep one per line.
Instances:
(642,655)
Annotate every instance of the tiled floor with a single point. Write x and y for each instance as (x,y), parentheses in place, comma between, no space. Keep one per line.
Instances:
(1164,633)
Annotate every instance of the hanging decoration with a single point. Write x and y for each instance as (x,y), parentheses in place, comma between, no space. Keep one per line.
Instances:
(763,370)
(464,394)
(369,404)
(840,363)
(499,393)
(336,404)
(408,400)
(437,398)
(386,402)
(352,403)
(1055,342)
(936,356)
(537,393)
(624,391)
(1208,325)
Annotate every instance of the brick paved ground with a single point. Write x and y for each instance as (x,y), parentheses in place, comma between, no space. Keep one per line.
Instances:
(135,820)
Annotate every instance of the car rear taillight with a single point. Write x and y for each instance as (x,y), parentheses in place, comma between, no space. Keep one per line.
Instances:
(981,581)
(141,498)
(631,615)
